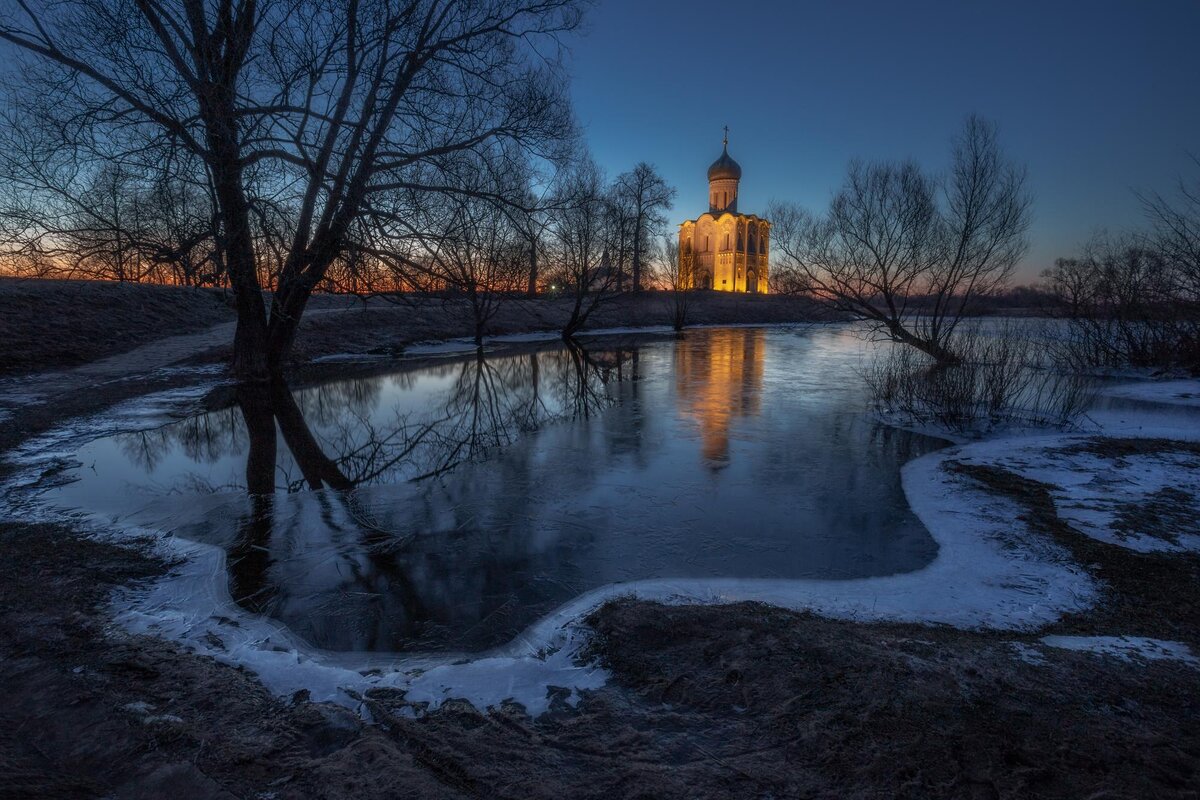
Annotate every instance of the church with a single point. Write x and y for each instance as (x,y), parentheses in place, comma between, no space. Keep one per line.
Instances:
(722,249)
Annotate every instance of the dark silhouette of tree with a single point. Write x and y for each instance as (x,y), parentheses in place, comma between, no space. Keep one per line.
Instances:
(304,114)
(894,235)
(645,196)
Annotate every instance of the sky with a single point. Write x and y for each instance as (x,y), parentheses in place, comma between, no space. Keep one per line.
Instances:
(1097,99)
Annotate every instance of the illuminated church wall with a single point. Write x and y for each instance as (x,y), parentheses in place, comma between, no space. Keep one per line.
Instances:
(722,249)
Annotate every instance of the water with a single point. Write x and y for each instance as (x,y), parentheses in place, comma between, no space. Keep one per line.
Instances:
(447,508)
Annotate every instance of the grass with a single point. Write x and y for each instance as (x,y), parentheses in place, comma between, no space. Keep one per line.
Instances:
(48,325)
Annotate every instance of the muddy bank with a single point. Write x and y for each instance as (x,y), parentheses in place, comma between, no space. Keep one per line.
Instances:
(385,328)
(50,325)
(56,324)
(705,702)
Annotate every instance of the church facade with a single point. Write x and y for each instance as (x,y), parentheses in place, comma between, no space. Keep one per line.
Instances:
(723,249)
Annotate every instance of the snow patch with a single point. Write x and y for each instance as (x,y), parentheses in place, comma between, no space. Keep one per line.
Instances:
(1028,654)
(1180,392)
(1126,648)
(1144,501)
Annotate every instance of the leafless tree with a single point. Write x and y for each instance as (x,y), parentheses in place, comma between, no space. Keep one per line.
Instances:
(533,218)
(140,219)
(474,249)
(581,228)
(1127,303)
(646,196)
(302,112)
(1175,234)
(670,273)
(908,252)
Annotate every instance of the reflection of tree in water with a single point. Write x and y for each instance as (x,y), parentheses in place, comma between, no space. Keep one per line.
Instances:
(489,404)
(204,439)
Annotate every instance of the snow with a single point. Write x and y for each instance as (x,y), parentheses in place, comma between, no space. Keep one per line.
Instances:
(1028,654)
(1178,392)
(1114,499)
(1126,648)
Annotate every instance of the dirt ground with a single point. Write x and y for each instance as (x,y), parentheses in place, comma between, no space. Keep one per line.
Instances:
(56,324)
(705,702)
(739,701)
(50,325)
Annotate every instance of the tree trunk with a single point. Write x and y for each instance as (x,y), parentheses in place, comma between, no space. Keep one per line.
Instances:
(319,470)
(254,400)
(637,260)
(250,358)
(533,270)
(936,351)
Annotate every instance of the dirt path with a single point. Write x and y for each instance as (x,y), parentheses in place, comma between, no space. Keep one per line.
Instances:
(130,366)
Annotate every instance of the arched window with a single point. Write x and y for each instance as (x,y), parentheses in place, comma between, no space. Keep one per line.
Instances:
(739,240)
(706,244)
(726,241)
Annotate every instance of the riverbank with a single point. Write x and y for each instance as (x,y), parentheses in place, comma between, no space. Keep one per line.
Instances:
(702,701)
(53,325)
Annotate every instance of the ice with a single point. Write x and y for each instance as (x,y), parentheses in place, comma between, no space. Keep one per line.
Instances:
(1126,648)
(1177,392)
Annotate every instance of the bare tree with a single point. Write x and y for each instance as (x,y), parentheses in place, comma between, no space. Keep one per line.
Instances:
(646,196)
(580,229)
(533,218)
(672,276)
(302,112)
(1175,234)
(1127,303)
(475,250)
(907,252)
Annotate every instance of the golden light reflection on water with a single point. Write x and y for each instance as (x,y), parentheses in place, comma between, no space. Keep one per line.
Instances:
(718,384)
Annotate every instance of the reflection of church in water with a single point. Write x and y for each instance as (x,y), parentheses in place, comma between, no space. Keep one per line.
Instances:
(719,380)
(722,249)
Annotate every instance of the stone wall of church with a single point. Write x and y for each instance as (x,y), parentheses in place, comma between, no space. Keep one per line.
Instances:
(722,195)
(727,253)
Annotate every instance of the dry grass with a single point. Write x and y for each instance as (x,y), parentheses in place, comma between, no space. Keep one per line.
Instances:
(47,325)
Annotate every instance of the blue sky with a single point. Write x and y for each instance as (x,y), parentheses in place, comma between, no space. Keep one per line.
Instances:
(1096,98)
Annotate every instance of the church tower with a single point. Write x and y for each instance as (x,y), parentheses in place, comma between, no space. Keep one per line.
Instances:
(724,250)
(723,178)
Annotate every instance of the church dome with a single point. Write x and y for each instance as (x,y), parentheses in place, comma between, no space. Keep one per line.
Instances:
(725,168)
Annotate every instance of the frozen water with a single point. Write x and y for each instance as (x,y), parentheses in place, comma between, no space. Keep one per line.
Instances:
(730,465)
(736,453)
